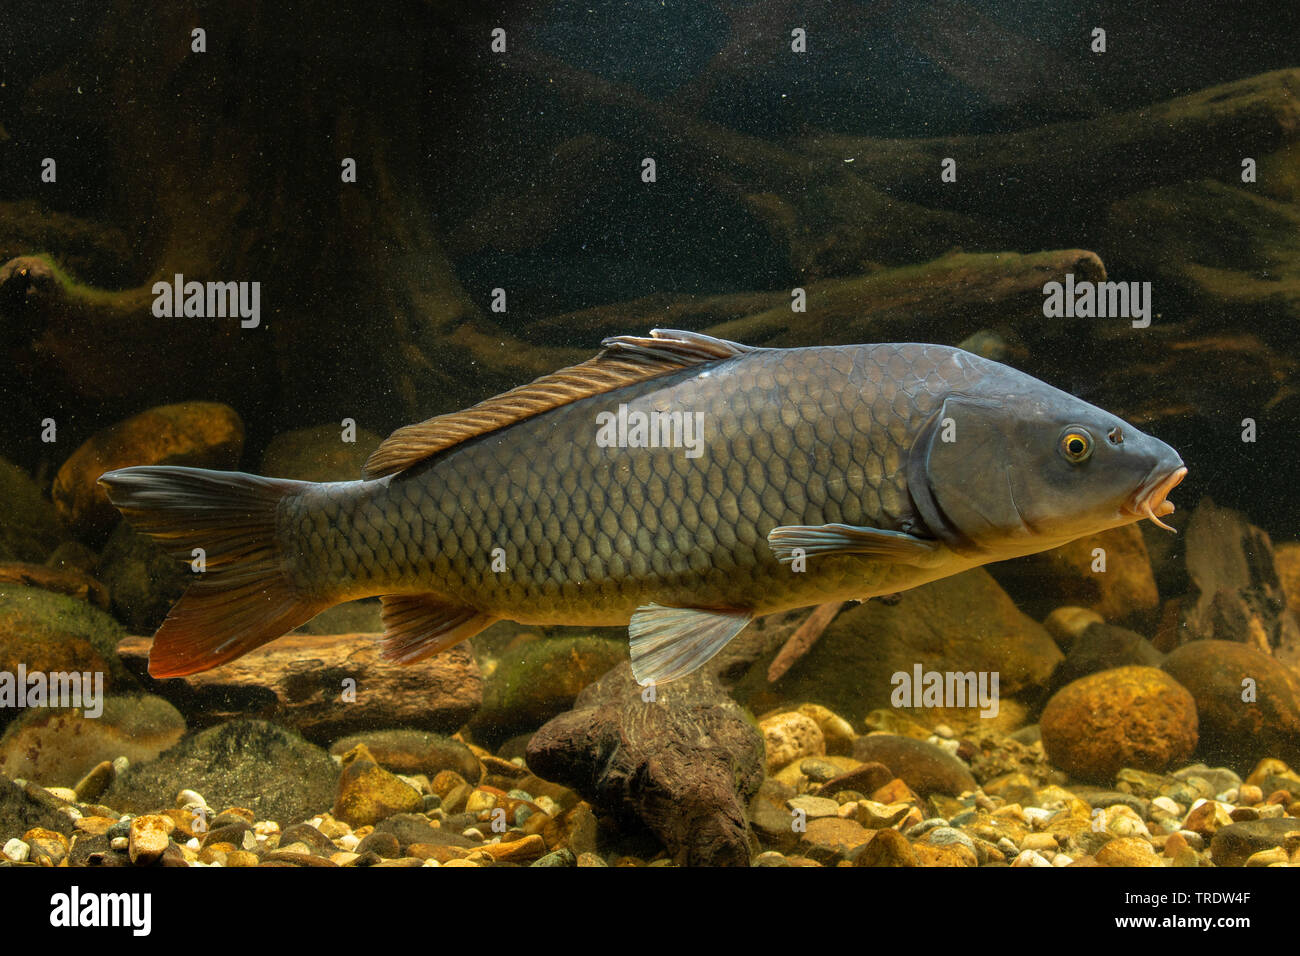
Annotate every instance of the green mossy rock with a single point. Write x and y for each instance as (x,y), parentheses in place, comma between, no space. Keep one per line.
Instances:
(143,580)
(45,631)
(245,763)
(57,747)
(961,623)
(318,453)
(30,528)
(536,680)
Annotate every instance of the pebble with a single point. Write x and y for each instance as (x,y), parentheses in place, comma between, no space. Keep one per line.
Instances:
(814,807)
(524,850)
(790,736)
(1166,807)
(1250,794)
(562,857)
(1232,845)
(1122,821)
(16,851)
(1030,858)
(367,793)
(887,848)
(190,800)
(1037,817)
(149,837)
(837,731)
(1038,841)
(818,770)
(1206,817)
(46,846)
(1270,857)
(920,829)
(1127,851)
(877,816)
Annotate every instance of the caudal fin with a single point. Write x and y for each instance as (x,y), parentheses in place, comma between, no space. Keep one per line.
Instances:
(243,599)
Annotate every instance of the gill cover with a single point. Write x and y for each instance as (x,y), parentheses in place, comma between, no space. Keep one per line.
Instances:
(960,477)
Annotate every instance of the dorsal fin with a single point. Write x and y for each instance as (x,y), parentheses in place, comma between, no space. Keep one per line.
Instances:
(623,360)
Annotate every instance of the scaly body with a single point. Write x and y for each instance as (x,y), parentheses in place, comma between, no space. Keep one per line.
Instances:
(816,475)
(588,534)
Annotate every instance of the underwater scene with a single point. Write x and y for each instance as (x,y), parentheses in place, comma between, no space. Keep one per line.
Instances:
(650,434)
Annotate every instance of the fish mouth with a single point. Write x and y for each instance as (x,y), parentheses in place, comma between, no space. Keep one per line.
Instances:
(1149,500)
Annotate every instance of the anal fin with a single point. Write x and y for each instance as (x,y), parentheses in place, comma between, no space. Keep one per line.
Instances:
(417,626)
(671,642)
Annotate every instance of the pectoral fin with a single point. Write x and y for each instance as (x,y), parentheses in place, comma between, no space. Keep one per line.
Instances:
(671,642)
(897,546)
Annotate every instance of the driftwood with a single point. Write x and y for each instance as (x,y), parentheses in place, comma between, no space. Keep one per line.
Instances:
(68,581)
(802,639)
(299,681)
(683,764)
(1238,595)
(1075,163)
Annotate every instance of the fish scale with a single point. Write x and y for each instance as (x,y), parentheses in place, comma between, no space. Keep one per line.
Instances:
(591,533)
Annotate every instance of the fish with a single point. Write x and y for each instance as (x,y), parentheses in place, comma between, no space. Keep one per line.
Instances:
(678,484)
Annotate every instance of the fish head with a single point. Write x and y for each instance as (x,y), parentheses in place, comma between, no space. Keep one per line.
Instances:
(1013,466)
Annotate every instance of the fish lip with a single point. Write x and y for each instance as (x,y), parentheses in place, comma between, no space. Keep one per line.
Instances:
(1149,501)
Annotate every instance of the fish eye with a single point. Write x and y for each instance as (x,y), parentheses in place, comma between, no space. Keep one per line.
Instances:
(1075,444)
(1116,436)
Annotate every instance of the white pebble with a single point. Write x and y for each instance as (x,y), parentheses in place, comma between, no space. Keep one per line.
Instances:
(1006,845)
(943,730)
(1061,860)
(349,841)
(1165,805)
(121,764)
(1030,858)
(193,843)
(250,840)
(119,843)
(946,745)
(1229,796)
(548,806)
(1037,816)
(17,851)
(473,833)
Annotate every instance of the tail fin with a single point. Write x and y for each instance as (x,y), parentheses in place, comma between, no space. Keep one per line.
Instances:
(243,599)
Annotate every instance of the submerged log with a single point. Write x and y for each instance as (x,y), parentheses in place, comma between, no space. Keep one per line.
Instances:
(323,686)
(1238,594)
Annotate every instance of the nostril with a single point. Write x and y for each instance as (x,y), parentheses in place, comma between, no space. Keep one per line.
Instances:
(1116,436)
